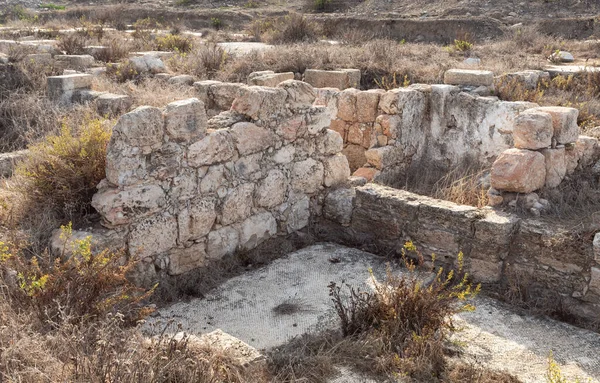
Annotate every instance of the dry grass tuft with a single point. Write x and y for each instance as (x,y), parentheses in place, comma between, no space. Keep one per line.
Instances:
(293,28)
(463,186)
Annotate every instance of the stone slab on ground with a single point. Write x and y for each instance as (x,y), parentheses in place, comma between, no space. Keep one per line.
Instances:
(244,47)
(248,305)
(502,339)
(568,70)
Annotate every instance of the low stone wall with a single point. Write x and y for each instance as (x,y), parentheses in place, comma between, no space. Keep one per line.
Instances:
(183,193)
(497,246)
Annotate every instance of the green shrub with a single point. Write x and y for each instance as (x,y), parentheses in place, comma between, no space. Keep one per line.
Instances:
(53,7)
(320,5)
(174,43)
(462,45)
(216,23)
(62,172)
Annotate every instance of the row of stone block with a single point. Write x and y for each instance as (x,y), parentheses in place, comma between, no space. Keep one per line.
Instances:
(77,88)
(547,148)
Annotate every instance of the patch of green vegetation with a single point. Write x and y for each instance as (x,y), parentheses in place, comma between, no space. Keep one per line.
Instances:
(53,7)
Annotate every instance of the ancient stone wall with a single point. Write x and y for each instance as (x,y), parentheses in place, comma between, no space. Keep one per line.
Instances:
(387,132)
(498,247)
(184,189)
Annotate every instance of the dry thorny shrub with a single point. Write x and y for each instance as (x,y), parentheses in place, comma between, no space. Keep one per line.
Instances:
(70,318)
(26,114)
(399,328)
(62,172)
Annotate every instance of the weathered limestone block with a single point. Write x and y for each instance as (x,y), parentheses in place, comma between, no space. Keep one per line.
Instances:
(307,176)
(572,156)
(384,157)
(113,104)
(249,138)
(224,120)
(148,63)
(152,236)
(61,88)
(185,185)
(249,167)
(165,162)
(556,167)
(215,177)
(124,169)
(292,128)
(493,234)
(318,120)
(285,155)
(299,94)
(298,215)
(337,170)
(182,260)
(142,127)
(75,61)
(367,104)
(256,229)
(253,75)
(203,92)
(222,242)
(259,102)
(196,219)
(368,174)
(8,161)
(270,79)
(216,147)
(340,79)
(412,105)
(120,207)
(518,170)
(238,204)
(185,120)
(360,134)
(184,79)
(485,271)
(341,127)
(222,94)
(588,150)
(339,205)
(389,125)
(330,143)
(564,122)
(533,130)
(346,105)
(355,155)
(469,77)
(379,206)
(272,189)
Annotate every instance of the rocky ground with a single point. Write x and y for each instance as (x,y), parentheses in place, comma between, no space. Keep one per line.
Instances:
(289,298)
